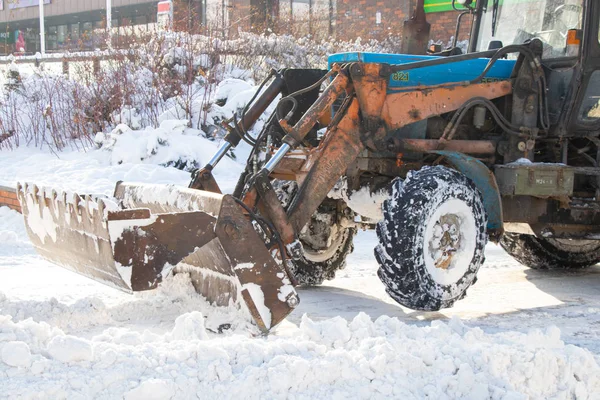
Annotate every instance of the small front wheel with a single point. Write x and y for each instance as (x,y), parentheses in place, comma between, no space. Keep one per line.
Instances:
(432,238)
(325,242)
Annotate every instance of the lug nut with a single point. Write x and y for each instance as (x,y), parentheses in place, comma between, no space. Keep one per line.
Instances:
(292,301)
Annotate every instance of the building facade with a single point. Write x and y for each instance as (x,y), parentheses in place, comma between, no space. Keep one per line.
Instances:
(81,24)
(344,19)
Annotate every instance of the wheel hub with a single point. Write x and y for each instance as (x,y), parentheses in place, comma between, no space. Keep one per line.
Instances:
(321,238)
(450,241)
(445,240)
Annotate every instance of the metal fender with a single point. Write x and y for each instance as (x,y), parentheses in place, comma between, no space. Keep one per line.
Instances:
(485,181)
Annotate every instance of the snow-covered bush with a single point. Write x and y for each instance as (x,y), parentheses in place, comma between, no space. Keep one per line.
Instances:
(43,110)
(159,77)
(171,144)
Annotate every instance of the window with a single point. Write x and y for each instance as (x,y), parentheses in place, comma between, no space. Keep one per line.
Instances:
(522,20)
(87,28)
(140,23)
(51,38)
(86,35)
(316,17)
(61,36)
(141,20)
(75,33)
(590,106)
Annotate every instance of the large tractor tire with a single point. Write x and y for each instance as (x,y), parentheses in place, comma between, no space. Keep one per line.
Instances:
(432,238)
(540,253)
(325,243)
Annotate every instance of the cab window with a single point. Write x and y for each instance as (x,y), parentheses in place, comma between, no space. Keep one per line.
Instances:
(520,20)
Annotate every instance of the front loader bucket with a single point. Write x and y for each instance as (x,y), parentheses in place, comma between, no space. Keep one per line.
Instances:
(153,230)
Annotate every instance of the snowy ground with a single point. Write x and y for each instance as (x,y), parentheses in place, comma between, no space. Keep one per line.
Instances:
(518,334)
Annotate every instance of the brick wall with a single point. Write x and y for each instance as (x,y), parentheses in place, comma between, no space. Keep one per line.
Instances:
(370,18)
(359,18)
(8,198)
(240,16)
(443,26)
(367,19)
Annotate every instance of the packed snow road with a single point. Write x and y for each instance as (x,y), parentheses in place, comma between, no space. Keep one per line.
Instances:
(64,336)
(518,334)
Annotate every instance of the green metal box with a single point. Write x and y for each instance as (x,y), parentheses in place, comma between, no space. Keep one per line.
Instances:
(535,179)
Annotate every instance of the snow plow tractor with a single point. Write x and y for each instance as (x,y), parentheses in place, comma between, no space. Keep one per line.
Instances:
(437,152)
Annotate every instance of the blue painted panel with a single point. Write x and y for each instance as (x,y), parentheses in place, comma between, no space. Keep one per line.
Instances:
(485,181)
(460,71)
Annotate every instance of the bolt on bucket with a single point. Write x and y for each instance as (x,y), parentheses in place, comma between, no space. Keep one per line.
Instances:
(134,240)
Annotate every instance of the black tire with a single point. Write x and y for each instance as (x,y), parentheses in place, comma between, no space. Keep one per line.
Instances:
(539,253)
(434,202)
(317,265)
(325,243)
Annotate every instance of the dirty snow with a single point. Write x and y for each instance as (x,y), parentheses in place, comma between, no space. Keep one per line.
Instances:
(363,202)
(518,334)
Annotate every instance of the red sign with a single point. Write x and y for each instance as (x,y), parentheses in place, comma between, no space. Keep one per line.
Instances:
(164,7)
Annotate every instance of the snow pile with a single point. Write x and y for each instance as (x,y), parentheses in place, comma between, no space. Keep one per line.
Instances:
(128,157)
(138,154)
(172,144)
(327,359)
(174,300)
(189,327)
(16,354)
(229,87)
(164,344)
(66,348)
(152,389)
(14,238)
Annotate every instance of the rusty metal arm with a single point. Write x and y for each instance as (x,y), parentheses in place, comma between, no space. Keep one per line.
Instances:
(326,165)
(203,179)
(297,133)
(401,109)
(264,197)
(482,147)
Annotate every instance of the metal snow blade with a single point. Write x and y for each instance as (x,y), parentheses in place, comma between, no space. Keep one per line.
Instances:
(155,228)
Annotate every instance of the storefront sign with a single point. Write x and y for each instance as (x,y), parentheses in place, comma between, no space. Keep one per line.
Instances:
(12,4)
(164,16)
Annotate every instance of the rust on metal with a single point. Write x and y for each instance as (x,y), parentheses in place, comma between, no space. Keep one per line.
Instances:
(290,165)
(370,86)
(264,284)
(143,251)
(404,108)
(325,165)
(298,132)
(134,246)
(204,180)
(258,107)
(270,205)
(427,145)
